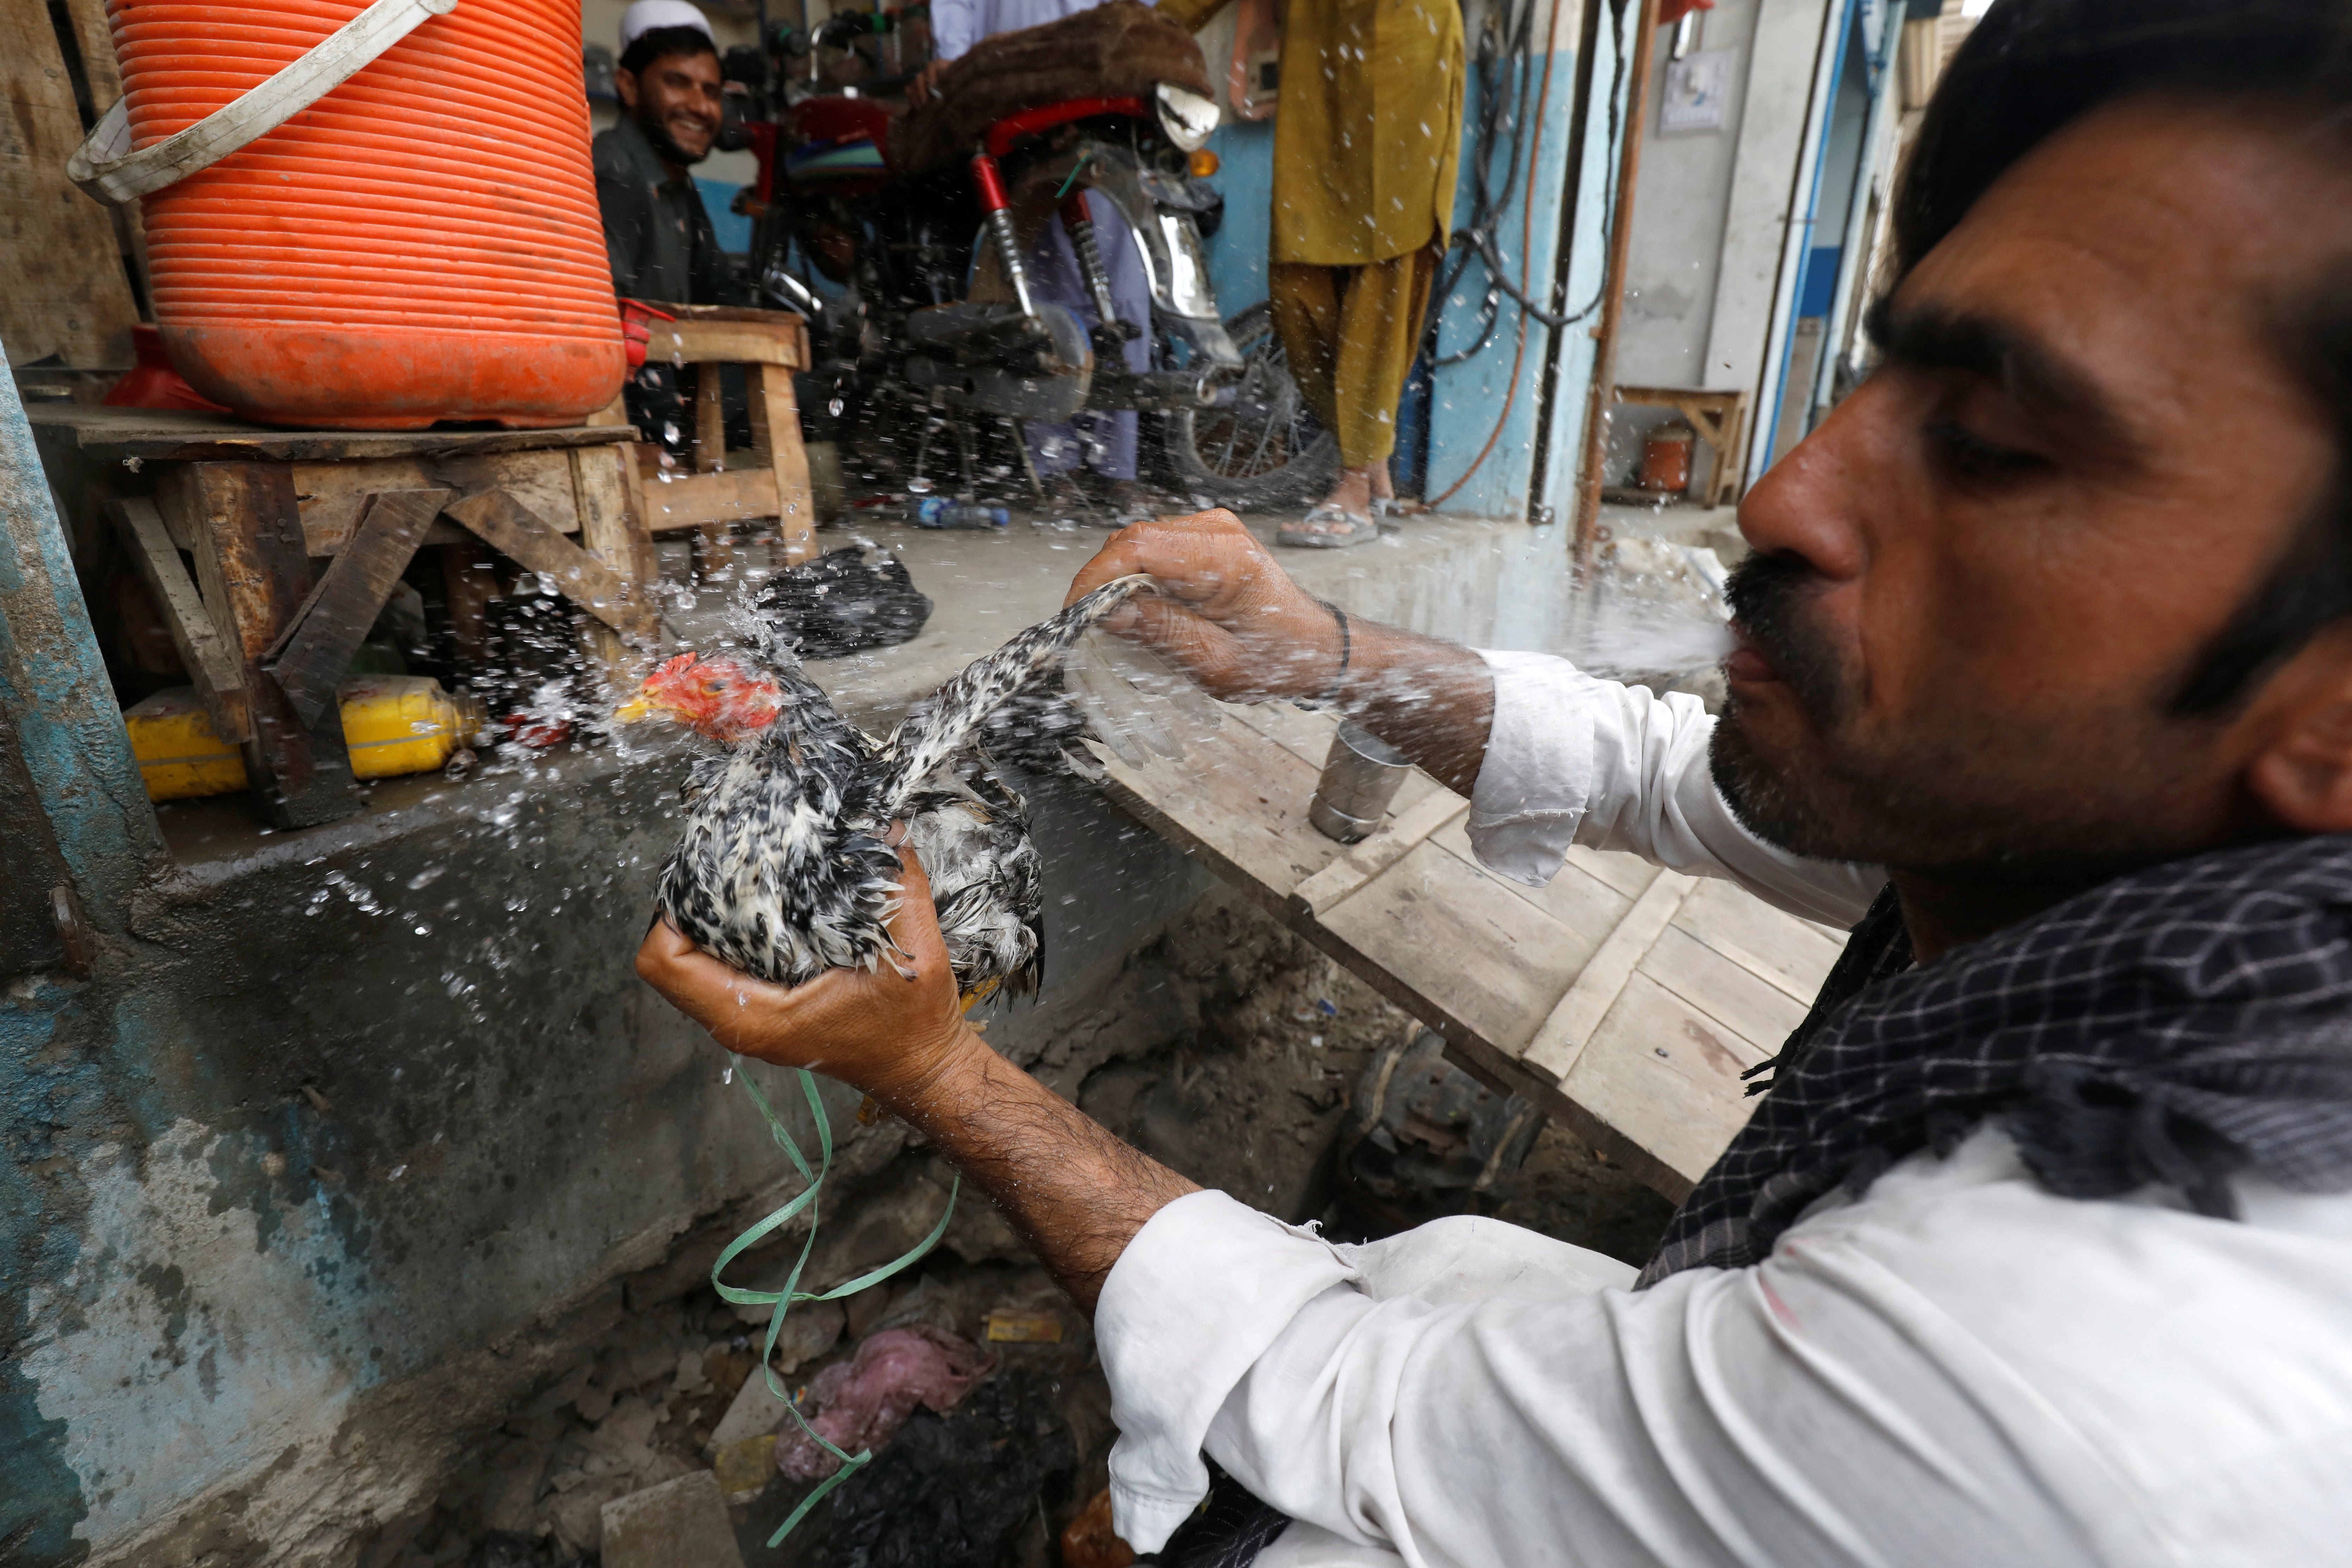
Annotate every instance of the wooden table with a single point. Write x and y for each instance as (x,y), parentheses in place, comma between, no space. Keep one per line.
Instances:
(296,539)
(1721,420)
(1623,999)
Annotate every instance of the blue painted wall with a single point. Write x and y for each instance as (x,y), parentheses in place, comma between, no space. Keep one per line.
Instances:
(1237,255)
(732,228)
(1469,401)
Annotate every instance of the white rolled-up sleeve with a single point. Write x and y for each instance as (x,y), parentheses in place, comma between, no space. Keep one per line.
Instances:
(1959,1369)
(1172,1357)
(1572,760)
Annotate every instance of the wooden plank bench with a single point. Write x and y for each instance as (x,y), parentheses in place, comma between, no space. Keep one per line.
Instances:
(1622,999)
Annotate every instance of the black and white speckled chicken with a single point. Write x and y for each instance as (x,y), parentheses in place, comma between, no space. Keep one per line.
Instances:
(783,871)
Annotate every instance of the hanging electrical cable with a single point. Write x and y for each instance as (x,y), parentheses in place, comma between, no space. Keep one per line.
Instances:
(1475,237)
(1526,231)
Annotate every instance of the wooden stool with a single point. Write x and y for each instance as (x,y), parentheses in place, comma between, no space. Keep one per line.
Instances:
(1721,420)
(299,538)
(771,479)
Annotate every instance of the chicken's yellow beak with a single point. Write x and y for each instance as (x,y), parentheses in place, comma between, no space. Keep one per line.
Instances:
(639,709)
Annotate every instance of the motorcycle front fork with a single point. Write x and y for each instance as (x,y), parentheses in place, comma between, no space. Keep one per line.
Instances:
(997,210)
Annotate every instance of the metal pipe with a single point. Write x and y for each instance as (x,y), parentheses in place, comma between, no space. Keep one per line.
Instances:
(1586,541)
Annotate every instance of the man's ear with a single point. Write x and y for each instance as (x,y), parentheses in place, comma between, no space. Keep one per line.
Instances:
(625,82)
(2304,775)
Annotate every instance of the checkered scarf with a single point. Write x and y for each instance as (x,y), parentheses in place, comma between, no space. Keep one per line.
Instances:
(2171,1028)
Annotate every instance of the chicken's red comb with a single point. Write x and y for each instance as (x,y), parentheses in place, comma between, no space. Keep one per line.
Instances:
(672,668)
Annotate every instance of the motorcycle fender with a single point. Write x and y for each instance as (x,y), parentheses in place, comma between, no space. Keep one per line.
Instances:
(1183,303)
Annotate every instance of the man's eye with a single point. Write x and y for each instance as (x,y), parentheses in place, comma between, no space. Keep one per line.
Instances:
(1973,457)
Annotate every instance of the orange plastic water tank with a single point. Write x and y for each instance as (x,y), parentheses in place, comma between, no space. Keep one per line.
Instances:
(421,244)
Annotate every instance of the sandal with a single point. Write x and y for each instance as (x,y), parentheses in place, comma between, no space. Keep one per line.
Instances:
(1329,527)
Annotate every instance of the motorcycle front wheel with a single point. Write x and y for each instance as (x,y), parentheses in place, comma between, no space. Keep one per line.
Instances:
(1264,451)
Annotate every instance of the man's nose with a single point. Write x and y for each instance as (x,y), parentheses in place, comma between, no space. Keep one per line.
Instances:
(1814,503)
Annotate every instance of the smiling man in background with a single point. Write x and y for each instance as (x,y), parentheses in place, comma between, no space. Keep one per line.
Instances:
(657,233)
(2038,1250)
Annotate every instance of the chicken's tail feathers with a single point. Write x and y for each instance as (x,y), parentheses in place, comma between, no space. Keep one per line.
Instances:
(947,722)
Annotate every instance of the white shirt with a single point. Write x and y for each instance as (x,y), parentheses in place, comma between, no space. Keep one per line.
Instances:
(957,25)
(1959,1368)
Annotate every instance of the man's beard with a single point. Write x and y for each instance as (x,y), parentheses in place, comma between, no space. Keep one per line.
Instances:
(657,132)
(1966,792)
(1765,593)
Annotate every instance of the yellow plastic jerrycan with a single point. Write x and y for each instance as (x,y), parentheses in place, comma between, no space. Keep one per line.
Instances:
(391,724)
(404,723)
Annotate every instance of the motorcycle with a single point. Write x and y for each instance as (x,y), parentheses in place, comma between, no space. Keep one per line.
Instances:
(937,316)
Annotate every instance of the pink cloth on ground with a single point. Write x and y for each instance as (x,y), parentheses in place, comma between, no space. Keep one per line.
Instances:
(862,1402)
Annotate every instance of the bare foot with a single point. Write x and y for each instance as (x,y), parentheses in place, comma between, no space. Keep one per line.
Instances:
(1383,487)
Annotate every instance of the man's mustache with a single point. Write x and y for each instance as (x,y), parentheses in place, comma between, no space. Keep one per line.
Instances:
(1770,596)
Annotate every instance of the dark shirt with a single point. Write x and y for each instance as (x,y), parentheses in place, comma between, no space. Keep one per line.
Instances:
(656,234)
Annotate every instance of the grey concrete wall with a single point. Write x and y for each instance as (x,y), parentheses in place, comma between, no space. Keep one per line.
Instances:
(1680,207)
(1711,217)
(346,1129)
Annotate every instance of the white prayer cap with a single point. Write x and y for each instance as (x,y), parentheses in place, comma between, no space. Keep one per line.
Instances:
(645,16)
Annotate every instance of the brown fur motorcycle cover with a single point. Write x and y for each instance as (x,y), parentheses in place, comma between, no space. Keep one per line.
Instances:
(1119,49)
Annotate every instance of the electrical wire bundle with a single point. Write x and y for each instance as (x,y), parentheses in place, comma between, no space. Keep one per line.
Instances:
(1476,239)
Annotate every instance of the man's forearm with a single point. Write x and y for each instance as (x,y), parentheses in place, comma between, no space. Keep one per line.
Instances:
(1432,700)
(1076,1193)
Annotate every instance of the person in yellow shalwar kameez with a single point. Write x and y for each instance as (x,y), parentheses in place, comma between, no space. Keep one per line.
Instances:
(1366,133)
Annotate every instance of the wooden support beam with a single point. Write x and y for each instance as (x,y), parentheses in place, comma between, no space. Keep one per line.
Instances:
(1569,1028)
(219,676)
(316,648)
(674,502)
(611,522)
(713,551)
(613,531)
(777,338)
(1387,844)
(247,525)
(776,445)
(515,532)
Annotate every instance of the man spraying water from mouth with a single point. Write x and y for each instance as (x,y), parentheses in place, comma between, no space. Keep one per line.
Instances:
(2032,1252)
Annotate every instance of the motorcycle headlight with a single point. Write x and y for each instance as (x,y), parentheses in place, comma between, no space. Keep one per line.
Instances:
(1186,117)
